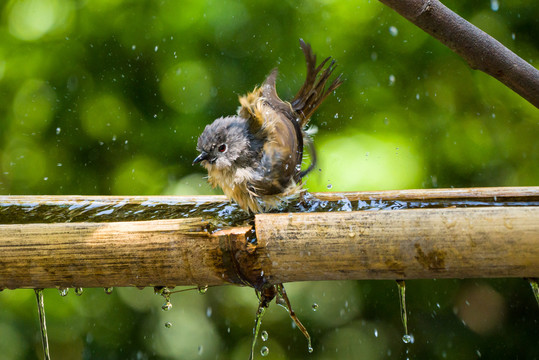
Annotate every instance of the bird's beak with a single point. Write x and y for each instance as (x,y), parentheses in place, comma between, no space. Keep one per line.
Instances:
(203,156)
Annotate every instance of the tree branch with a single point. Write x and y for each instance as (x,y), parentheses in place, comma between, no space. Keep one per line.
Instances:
(480,50)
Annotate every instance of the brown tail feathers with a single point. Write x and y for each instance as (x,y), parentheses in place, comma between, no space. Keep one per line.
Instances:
(313,91)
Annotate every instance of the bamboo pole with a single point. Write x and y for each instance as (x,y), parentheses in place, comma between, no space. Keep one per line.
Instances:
(138,253)
(400,244)
(461,242)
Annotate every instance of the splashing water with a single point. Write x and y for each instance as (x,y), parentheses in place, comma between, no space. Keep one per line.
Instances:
(42,323)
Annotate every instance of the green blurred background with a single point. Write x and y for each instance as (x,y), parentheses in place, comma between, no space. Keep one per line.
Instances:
(109,97)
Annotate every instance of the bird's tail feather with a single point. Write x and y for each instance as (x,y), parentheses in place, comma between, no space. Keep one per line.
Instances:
(313,92)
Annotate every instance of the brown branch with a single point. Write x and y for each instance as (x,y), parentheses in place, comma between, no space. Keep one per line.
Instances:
(453,240)
(480,50)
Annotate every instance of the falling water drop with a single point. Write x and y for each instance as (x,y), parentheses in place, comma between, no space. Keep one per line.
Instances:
(408,339)
(264,351)
(264,335)
(166,306)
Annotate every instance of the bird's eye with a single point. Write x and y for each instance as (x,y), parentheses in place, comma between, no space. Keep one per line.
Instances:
(222,148)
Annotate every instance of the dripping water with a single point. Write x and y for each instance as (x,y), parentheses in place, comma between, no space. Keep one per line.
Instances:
(42,323)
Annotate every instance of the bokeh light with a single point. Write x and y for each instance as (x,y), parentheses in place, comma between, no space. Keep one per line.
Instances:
(108,97)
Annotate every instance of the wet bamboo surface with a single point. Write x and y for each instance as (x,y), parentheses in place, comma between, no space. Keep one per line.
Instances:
(190,247)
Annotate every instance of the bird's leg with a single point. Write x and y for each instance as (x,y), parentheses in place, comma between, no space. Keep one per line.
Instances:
(282,299)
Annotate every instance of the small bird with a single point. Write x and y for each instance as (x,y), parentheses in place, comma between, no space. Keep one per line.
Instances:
(256,155)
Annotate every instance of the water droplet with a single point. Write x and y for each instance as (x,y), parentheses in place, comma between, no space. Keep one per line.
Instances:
(391,80)
(79,291)
(336,116)
(202,289)
(156,48)
(408,339)
(494,5)
(264,335)
(166,306)
(133,47)
(264,351)
(108,290)
(200,349)
(310,349)
(315,306)
(393,31)
(58,131)
(375,332)
(329,186)
(209,311)
(168,324)
(63,291)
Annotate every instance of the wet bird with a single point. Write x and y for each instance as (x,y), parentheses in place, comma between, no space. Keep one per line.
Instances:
(256,155)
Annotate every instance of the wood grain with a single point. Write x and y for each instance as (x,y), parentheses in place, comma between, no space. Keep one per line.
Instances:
(139,253)
(400,244)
